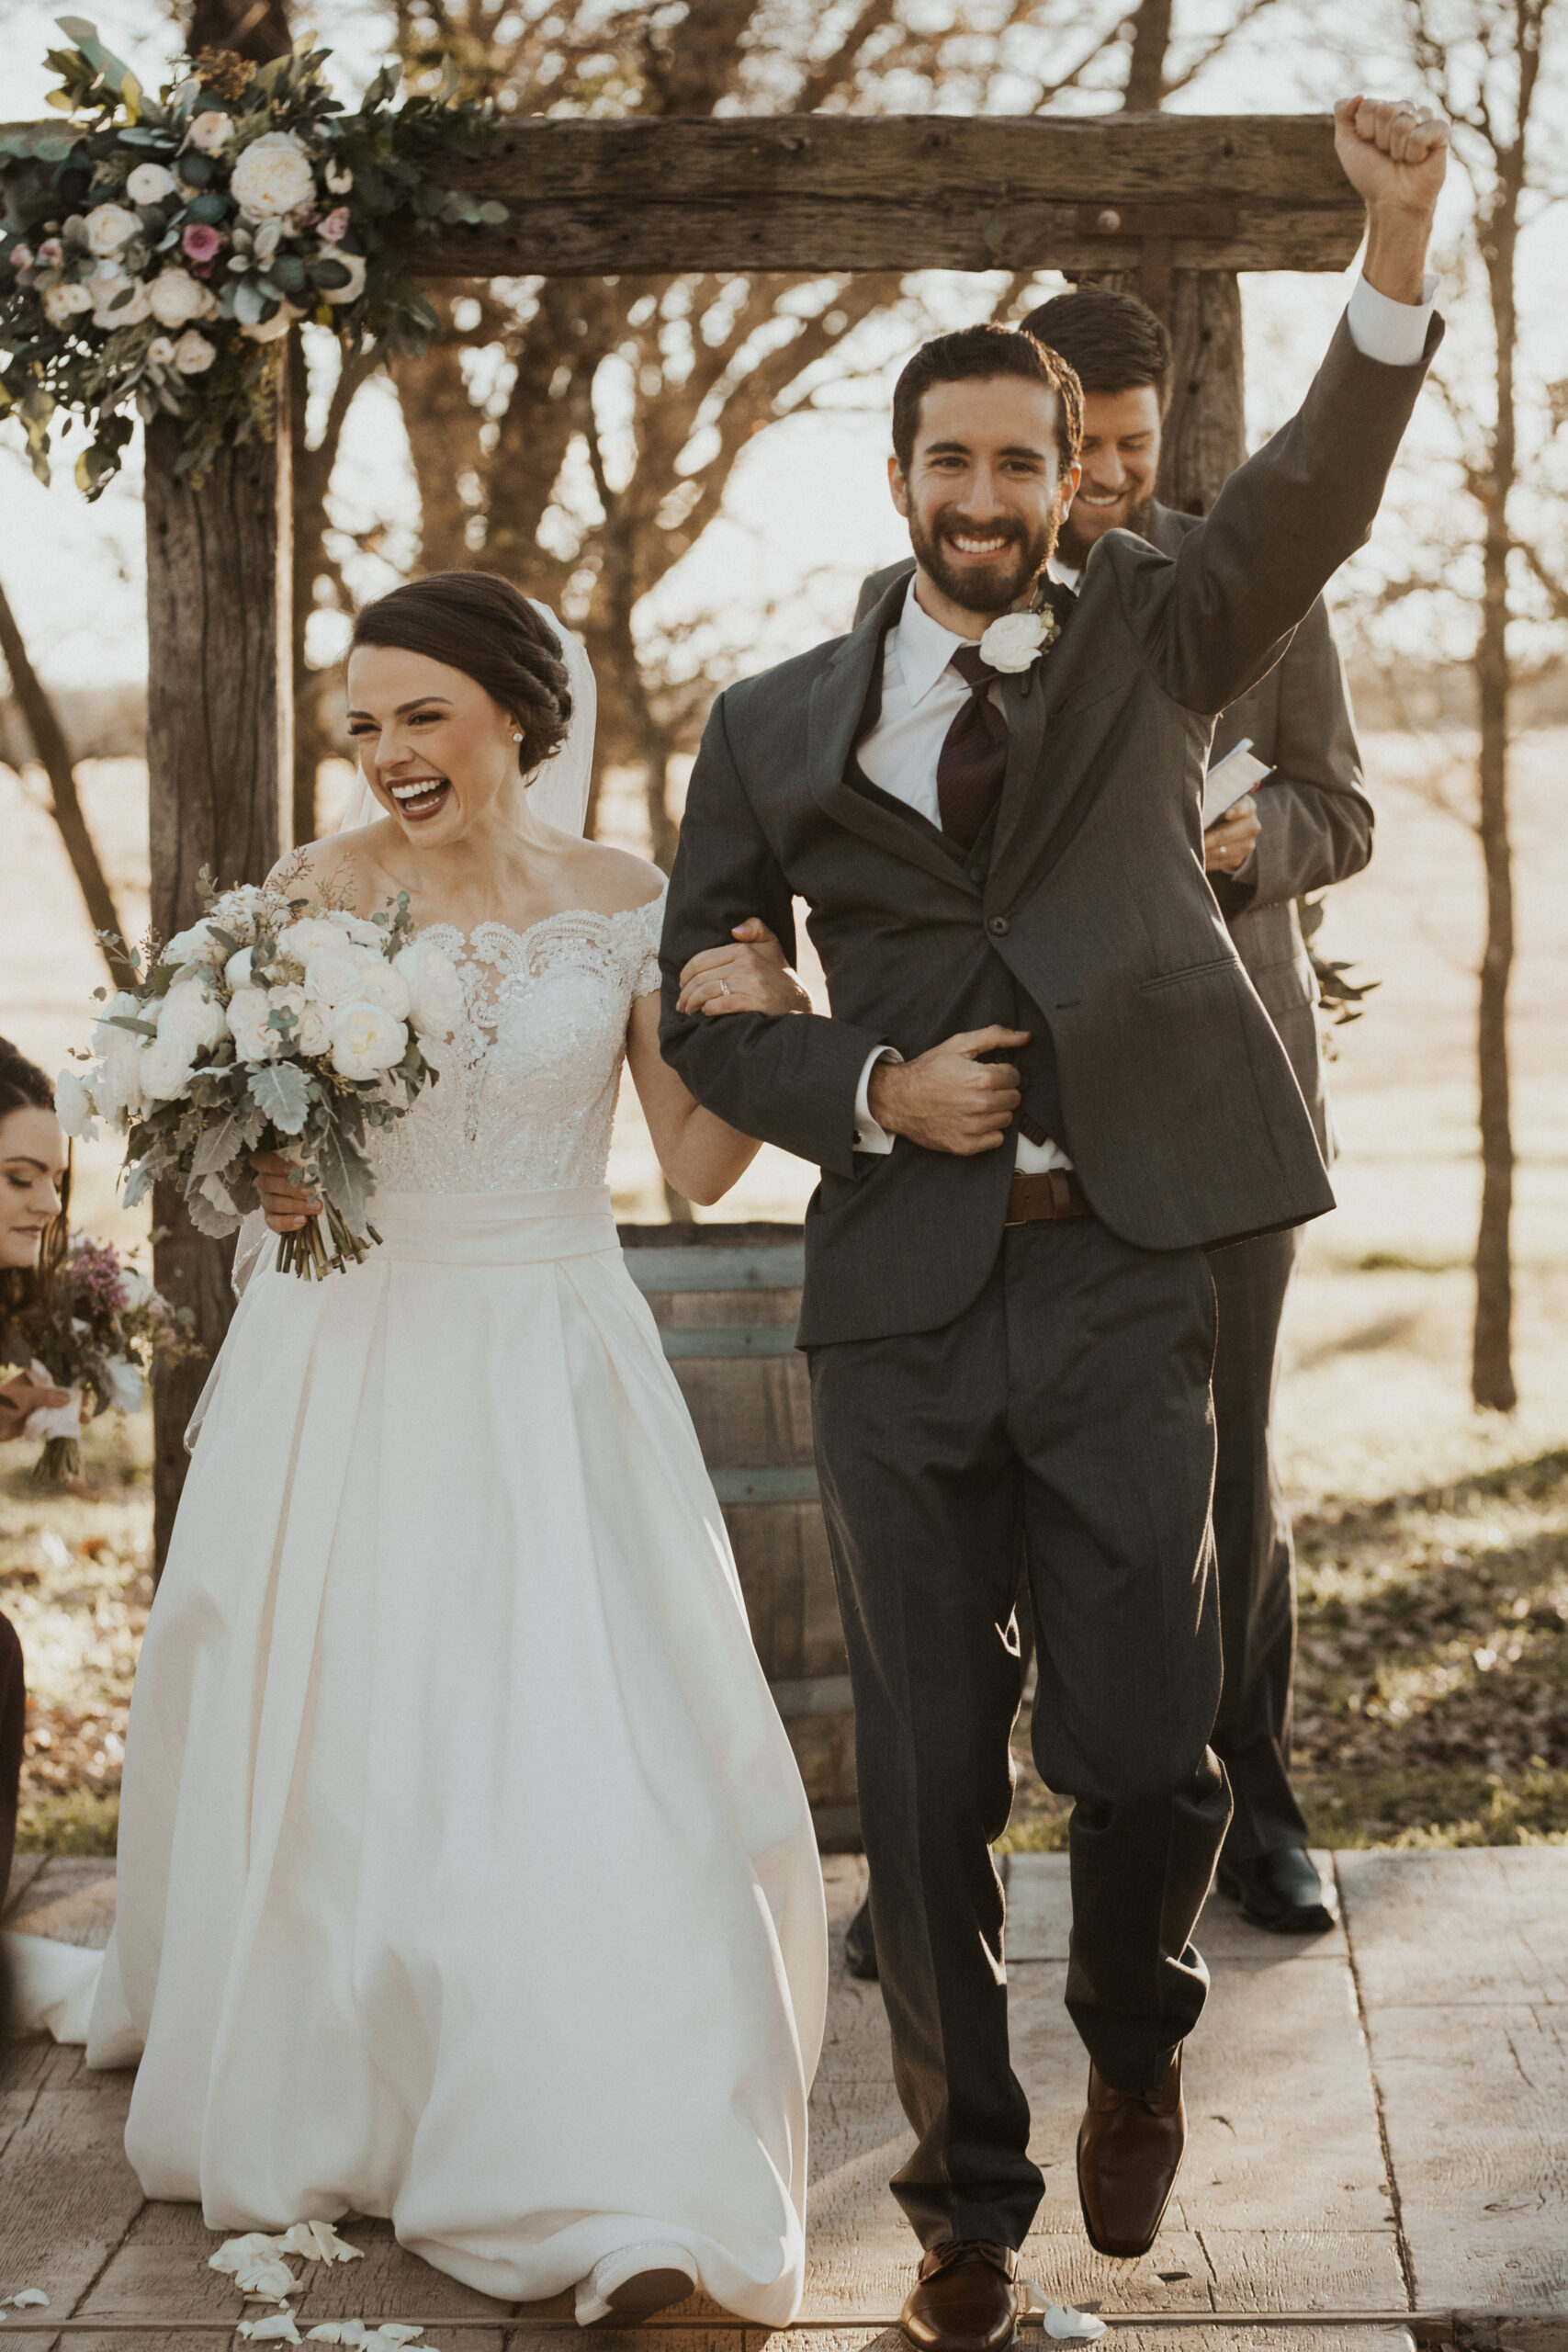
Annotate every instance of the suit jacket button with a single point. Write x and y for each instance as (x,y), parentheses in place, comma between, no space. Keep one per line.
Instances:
(998,926)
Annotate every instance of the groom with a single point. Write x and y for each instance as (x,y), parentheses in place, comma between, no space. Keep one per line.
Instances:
(1046,1085)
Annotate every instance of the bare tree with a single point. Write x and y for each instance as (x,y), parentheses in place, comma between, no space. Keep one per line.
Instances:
(1484,60)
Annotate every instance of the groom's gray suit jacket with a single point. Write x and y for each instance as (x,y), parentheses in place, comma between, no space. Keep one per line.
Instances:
(1084,915)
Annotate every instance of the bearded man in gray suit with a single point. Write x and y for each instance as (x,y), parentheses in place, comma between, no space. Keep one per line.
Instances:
(1312,826)
(1006,1308)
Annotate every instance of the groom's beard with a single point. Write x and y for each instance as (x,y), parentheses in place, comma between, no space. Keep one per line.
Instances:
(1074,549)
(993,587)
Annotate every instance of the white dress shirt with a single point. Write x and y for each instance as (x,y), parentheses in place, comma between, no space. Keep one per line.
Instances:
(922,693)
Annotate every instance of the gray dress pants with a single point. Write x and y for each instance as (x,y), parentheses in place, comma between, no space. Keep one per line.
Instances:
(1253,1548)
(1063,1420)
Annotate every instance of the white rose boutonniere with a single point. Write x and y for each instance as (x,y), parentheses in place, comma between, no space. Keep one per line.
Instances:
(1015,640)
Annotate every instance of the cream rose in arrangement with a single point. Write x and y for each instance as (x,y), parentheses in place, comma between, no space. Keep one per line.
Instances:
(266,1028)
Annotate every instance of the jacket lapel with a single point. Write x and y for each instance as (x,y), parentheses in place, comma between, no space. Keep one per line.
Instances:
(838,698)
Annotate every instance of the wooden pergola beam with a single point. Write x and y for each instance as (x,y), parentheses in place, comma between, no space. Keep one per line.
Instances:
(1216,192)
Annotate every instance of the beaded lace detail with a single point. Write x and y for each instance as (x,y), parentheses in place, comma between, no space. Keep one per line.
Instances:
(526,1094)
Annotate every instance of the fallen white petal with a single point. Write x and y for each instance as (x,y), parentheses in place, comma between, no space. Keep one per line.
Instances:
(393,2332)
(276,2328)
(1070,2327)
(338,2330)
(319,2241)
(244,2254)
(30,2298)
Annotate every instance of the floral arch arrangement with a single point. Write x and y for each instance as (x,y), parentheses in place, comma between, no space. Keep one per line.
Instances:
(156,251)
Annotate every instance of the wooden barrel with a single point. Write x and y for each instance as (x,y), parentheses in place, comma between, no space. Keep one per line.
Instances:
(726,1298)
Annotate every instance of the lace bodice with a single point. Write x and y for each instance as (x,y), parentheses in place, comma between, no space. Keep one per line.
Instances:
(528,1083)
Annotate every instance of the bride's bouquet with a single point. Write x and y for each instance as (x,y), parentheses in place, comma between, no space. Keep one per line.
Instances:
(263,1028)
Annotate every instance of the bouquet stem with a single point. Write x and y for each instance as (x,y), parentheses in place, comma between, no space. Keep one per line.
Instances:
(60,1464)
(310,1255)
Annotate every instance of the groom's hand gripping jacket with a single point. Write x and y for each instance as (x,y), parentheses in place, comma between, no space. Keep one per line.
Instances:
(1084,916)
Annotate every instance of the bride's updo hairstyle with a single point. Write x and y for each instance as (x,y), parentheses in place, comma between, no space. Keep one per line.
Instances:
(477,622)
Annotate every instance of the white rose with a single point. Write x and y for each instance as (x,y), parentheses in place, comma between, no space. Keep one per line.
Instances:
(193,354)
(380,984)
(271,177)
(74,1107)
(1012,641)
(166,1069)
(150,184)
(119,299)
(340,179)
(109,226)
(314,1034)
(335,974)
(359,927)
(175,297)
(355,264)
(253,1040)
(210,131)
(191,1018)
(65,302)
(126,1387)
(121,1005)
(366,1041)
(161,352)
(196,946)
(301,940)
(237,910)
(237,971)
(269,329)
(435,993)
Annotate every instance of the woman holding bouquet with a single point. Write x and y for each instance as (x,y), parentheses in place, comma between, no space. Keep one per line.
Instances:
(466,1876)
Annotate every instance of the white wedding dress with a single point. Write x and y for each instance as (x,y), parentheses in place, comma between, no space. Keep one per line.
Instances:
(465,1872)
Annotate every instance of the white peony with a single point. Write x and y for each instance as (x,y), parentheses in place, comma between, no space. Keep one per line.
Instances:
(150,184)
(109,226)
(366,1040)
(435,993)
(380,983)
(1015,639)
(301,940)
(237,971)
(336,975)
(74,1107)
(191,1018)
(119,299)
(66,302)
(359,928)
(238,910)
(210,130)
(271,177)
(161,352)
(254,1041)
(196,946)
(193,354)
(313,1030)
(166,1069)
(355,264)
(175,297)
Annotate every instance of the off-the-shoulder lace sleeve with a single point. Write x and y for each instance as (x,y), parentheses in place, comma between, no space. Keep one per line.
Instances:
(646,934)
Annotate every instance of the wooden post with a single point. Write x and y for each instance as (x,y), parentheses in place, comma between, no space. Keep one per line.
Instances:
(1205,425)
(220,763)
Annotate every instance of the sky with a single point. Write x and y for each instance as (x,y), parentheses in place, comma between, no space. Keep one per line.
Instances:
(807,512)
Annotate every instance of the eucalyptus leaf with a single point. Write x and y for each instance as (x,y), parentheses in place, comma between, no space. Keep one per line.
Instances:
(250,304)
(345,1178)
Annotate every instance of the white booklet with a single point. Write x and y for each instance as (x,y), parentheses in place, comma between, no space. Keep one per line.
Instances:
(1230,780)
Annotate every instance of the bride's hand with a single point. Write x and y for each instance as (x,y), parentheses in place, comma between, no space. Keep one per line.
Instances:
(751,977)
(284,1201)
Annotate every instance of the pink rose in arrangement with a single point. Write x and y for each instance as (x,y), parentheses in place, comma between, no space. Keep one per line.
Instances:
(335,228)
(51,253)
(22,256)
(201,241)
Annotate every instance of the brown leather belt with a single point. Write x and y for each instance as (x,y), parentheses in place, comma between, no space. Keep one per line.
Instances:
(1055,1193)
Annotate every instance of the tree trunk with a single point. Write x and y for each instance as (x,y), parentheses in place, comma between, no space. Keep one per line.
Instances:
(258,29)
(1205,425)
(1145,66)
(219,761)
(48,741)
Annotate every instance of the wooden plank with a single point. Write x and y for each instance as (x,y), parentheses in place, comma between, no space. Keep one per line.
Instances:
(893,192)
(775,1266)
(729,1340)
(786,1576)
(25,1867)
(749,1412)
(1486,1923)
(70,1900)
(703,1310)
(789,1483)
(67,2194)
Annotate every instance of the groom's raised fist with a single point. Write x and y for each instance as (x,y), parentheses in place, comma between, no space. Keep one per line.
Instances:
(949,1100)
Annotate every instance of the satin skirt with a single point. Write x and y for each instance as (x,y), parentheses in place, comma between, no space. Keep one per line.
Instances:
(466,1876)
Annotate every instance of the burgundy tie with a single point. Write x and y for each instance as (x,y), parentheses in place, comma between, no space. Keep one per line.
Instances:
(973,756)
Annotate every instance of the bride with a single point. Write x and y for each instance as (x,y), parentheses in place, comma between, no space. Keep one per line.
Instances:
(466,1876)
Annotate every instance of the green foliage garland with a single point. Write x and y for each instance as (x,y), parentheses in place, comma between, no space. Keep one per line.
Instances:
(155,252)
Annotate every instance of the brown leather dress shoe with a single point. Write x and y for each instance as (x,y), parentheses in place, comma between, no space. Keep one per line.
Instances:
(1130,2151)
(963,2298)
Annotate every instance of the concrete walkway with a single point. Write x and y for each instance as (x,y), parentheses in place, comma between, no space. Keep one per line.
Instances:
(1378,2124)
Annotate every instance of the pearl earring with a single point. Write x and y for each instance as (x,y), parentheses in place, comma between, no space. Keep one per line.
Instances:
(517,739)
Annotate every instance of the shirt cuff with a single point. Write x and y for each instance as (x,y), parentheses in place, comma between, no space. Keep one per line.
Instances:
(869,1136)
(1392,332)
